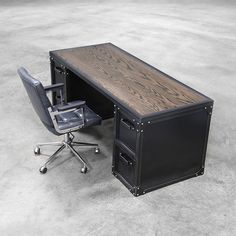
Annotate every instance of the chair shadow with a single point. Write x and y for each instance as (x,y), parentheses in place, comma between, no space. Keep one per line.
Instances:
(97,165)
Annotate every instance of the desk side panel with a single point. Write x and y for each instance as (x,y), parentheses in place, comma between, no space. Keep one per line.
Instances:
(174,148)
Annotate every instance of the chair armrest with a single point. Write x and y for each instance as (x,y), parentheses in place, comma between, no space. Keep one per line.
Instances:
(53,87)
(71,105)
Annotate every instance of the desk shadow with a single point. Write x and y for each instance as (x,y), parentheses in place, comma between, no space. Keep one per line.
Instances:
(99,132)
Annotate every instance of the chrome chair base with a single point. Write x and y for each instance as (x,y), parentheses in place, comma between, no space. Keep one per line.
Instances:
(66,143)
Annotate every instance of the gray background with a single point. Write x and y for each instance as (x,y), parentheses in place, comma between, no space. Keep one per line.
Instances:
(193,42)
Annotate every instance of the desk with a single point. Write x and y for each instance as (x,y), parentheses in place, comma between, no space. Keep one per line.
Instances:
(161,125)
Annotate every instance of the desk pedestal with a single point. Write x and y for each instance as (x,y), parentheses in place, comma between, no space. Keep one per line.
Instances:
(160,150)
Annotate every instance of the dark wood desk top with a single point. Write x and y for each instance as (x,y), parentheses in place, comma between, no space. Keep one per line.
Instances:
(136,84)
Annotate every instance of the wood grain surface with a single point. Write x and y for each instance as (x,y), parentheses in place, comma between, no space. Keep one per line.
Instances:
(138,85)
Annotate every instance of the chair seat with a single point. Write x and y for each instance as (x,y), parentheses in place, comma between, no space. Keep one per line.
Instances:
(74,118)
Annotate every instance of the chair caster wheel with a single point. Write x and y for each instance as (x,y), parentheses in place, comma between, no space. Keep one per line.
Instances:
(37,150)
(43,169)
(84,170)
(96,150)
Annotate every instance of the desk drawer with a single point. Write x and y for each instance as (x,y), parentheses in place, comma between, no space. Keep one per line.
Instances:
(127,131)
(125,164)
(59,74)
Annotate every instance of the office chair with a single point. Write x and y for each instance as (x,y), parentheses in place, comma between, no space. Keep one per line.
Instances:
(62,119)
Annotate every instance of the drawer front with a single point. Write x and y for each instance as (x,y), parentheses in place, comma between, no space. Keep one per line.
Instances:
(125,164)
(127,131)
(59,72)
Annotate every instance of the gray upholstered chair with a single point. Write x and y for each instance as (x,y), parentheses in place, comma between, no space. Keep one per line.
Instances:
(60,119)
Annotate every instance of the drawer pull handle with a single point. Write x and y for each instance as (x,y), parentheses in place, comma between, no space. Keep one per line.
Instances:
(123,158)
(59,70)
(127,124)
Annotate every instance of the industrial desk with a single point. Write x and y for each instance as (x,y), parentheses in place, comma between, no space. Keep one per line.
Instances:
(161,125)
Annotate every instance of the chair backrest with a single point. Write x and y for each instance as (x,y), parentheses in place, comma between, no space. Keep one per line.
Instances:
(38,97)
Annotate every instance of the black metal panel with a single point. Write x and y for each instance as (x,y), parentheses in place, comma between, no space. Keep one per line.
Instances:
(177,149)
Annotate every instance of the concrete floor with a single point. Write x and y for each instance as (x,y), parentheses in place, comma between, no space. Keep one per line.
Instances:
(194,43)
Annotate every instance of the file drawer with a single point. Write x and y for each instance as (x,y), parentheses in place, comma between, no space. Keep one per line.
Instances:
(124,164)
(127,131)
